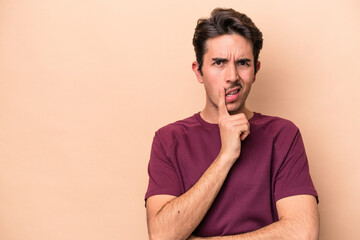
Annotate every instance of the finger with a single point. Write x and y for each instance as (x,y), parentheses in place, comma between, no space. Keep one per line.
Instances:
(222,110)
(244,135)
(243,129)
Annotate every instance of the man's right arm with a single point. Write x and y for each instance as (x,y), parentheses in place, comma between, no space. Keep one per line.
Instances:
(171,217)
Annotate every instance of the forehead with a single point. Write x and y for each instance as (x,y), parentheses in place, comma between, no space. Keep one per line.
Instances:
(229,45)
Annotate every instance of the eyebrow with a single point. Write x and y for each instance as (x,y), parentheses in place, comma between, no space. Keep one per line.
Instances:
(225,59)
(243,60)
(219,59)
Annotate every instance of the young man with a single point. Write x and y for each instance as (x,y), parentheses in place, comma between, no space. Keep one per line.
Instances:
(228,172)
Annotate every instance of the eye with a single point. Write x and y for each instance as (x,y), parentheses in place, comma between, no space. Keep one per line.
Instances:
(243,63)
(218,63)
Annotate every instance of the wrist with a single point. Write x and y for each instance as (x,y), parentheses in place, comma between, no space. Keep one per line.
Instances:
(226,160)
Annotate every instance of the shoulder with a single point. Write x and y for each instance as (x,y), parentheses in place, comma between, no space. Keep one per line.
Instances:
(284,134)
(276,127)
(169,133)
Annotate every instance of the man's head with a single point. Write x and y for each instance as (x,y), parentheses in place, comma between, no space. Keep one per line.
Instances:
(221,22)
(227,47)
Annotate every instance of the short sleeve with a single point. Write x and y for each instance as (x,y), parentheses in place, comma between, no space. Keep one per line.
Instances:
(293,176)
(163,177)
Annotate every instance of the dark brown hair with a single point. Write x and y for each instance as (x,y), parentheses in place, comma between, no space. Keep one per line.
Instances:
(225,21)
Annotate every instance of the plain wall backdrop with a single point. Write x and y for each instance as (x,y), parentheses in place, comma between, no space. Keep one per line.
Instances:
(84,84)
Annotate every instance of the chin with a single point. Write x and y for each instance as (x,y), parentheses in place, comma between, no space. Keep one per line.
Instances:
(233,111)
(234,108)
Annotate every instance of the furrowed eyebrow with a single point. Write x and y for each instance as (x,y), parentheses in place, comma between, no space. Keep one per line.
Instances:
(225,59)
(219,59)
(243,60)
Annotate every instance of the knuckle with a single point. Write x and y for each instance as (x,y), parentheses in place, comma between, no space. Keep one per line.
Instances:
(221,121)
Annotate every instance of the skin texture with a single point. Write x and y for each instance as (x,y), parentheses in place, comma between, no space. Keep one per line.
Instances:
(228,65)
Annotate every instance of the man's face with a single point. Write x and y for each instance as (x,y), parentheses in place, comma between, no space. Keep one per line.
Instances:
(228,64)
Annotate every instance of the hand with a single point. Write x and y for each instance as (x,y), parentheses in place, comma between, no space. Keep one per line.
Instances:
(233,129)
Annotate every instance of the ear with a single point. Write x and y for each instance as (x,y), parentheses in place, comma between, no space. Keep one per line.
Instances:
(195,68)
(257,70)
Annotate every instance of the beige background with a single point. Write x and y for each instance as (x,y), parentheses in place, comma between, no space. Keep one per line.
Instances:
(85,83)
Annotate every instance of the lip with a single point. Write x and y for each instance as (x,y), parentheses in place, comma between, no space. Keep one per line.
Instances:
(233,97)
(232,90)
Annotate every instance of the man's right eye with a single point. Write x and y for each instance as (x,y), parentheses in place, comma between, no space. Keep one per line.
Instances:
(218,63)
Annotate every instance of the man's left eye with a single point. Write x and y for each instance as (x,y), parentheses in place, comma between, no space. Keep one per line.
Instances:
(243,63)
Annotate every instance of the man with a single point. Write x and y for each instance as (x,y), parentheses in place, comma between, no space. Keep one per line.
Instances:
(228,172)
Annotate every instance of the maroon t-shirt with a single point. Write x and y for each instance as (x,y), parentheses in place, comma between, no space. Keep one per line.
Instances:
(272,165)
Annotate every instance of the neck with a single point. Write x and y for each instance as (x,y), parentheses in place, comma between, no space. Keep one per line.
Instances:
(212,116)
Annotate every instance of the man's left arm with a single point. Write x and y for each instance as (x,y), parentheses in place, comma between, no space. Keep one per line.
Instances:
(298,220)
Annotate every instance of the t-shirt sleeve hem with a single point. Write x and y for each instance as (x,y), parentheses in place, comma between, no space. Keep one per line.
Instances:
(162,192)
(298,192)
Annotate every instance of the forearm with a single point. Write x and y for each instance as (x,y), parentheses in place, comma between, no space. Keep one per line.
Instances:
(178,218)
(275,231)
(299,220)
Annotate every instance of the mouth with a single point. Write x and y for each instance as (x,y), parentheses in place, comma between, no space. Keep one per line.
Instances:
(232,91)
(232,94)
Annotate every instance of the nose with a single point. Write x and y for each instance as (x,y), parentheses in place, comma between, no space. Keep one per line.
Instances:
(231,73)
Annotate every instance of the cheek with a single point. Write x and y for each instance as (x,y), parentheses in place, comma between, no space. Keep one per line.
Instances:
(247,77)
(210,87)
(211,80)
(212,90)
